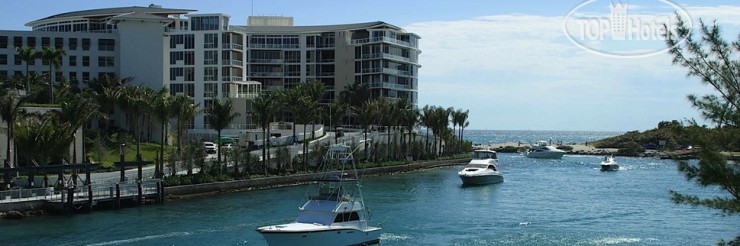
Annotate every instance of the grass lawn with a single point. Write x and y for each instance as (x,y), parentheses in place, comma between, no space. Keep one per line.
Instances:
(148,153)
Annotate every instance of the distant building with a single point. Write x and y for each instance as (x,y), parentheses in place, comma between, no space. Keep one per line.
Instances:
(203,56)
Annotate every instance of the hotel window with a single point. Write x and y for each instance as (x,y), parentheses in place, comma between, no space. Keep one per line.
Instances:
(31,41)
(58,76)
(204,23)
(105,61)
(175,40)
(293,56)
(17,60)
(190,90)
(59,43)
(3,74)
(106,44)
(85,76)
(45,41)
(72,76)
(18,42)
(3,59)
(189,74)
(189,41)
(310,41)
(210,40)
(72,61)
(210,74)
(72,43)
(85,44)
(210,57)
(176,89)
(175,56)
(209,90)
(189,57)
(3,42)
(176,72)
(85,61)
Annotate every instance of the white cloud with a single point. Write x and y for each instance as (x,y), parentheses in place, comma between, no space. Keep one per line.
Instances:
(524,63)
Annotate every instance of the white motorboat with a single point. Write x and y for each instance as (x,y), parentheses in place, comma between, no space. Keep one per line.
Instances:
(335,213)
(543,151)
(482,169)
(609,164)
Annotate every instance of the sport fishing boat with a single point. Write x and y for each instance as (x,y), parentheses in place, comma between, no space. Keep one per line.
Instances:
(543,151)
(482,169)
(609,164)
(335,213)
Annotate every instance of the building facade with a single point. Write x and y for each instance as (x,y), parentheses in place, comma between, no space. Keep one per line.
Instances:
(204,57)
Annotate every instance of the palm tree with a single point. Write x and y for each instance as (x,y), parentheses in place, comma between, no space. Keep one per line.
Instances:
(291,101)
(461,118)
(106,91)
(28,55)
(77,112)
(263,110)
(162,113)
(315,91)
(365,116)
(54,57)
(426,121)
(220,116)
(185,110)
(10,110)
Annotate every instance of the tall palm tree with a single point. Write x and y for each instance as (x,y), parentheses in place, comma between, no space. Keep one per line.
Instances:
(185,110)
(291,101)
(365,116)
(28,55)
(220,115)
(162,113)
(77,112)
(54,57)
(460,118)
(10,110)
(315,91)
(263,110)
(106,91)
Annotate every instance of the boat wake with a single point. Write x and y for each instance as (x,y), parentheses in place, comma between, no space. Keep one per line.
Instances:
(140,239)
(386,237)
(622,240)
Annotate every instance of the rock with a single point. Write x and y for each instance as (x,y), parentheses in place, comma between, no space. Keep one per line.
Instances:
(14,215)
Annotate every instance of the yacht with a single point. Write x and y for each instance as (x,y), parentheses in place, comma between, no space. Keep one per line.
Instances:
(543,151)
(609,164)
(482,169)
(334,213)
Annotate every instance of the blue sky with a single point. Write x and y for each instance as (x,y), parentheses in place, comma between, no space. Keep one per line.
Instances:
(509,62)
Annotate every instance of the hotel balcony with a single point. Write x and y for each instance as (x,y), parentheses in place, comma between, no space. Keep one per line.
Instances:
(274,46)
(381,40)
(266,74)
(233,46)
(388,56)
(232,62)
(269,61)
(231,78)
(387,85)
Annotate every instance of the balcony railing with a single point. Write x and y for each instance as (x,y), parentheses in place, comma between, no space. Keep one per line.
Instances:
(231,78)
(274,46)
(387,85)
(232,46)
(266,74)
(386,56)
(266,60)
(232,62)
(381,39)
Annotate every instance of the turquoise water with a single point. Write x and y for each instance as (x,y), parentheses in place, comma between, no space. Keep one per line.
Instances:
(541,202)
(531,136)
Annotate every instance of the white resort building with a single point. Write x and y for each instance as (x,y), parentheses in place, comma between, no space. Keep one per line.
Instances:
(205,56)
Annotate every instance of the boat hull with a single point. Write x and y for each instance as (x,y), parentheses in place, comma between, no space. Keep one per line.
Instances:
(344,236)
(481,179)
(611,167)
(546,155)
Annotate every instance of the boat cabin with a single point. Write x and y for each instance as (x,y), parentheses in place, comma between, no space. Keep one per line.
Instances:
(484,154)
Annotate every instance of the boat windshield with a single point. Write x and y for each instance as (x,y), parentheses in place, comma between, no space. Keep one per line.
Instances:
(477,166)
(482,155)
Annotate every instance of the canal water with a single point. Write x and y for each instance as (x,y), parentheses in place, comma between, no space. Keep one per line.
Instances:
(541,202)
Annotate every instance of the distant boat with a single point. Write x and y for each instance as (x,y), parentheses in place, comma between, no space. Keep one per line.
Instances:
(482,169)
(543,151)
(335,213)
(609,164)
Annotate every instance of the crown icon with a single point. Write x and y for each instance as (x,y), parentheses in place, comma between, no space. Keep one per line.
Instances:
(618,20)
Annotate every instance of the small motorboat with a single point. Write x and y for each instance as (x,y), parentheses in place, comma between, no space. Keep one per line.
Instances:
(482,169)
(543,151)
(609,164)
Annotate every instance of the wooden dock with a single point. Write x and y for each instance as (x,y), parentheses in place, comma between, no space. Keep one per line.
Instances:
(85,197)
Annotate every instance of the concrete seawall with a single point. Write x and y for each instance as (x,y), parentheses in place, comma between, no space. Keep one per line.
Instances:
(262,183)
